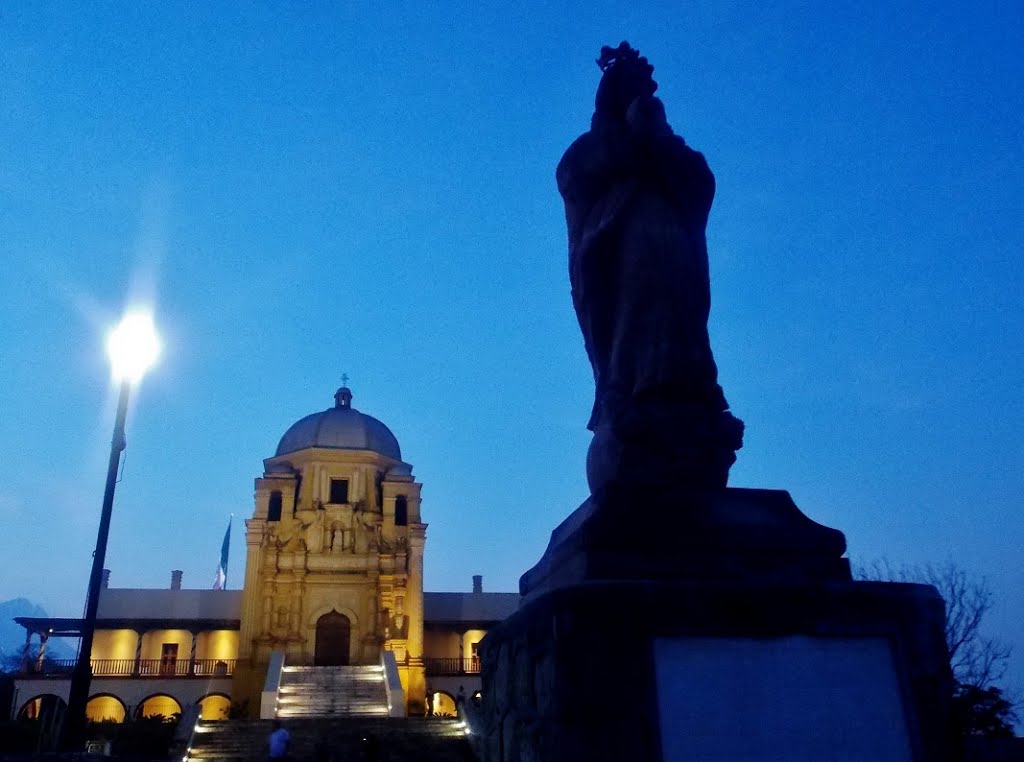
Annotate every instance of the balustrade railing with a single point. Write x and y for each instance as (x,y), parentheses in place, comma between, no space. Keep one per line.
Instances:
(214,667)
(113,667)
(451,665)
(50,667)
(161,667)
(133,668)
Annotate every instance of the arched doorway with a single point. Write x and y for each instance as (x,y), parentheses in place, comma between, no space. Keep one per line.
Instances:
(333,634)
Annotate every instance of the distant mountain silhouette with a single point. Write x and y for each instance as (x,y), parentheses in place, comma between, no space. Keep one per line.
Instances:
(12,634)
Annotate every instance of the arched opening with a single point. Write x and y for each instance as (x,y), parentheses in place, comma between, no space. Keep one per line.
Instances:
(216,706)
(45,707)
(159,705)
(105,708)
(401,511)
(333,636)
(443,704)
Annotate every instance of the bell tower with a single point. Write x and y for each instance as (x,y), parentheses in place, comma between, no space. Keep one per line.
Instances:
(334,553)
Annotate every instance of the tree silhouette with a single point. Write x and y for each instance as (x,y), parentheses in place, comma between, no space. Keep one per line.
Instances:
(977,661)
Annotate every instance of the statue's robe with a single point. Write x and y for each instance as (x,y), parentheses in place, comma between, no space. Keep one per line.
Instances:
(636,208)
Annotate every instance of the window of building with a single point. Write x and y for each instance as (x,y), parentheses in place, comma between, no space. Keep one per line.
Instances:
(274,509)
(339,491)
(401,511)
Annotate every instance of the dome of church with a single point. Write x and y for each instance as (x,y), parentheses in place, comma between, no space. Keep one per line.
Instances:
(341,427)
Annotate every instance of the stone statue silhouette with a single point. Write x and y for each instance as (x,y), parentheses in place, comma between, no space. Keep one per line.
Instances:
(637,200)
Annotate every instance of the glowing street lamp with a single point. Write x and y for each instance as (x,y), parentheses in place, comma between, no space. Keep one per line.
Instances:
(133,347)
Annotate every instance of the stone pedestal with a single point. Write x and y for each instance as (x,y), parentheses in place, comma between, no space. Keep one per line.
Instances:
(725,626)
(718,670)
(646,532)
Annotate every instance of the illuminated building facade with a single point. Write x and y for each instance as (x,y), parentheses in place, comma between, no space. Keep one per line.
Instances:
(334,577)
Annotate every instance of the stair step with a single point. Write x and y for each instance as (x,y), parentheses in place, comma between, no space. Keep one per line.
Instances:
(331,692)
(398,738)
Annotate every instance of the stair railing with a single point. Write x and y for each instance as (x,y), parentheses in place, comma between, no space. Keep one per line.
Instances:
(393,684)
(272,686)
(185,733)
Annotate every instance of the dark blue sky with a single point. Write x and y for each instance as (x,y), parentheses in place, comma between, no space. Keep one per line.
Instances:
(303,190)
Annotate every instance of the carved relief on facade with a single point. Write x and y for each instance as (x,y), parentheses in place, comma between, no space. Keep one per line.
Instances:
(288,537)
(295,612)
(268,601)
(399,620)
(314,532)
(363,527)
(342,532)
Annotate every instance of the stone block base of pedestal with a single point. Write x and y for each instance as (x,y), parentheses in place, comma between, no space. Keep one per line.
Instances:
(672,671)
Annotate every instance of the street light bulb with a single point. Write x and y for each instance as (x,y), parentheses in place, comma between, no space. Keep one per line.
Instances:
(133,347)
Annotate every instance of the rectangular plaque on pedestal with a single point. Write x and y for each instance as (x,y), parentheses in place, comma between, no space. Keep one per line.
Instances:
(792,698)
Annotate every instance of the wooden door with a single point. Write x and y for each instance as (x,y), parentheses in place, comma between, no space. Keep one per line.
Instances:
(333,636)
(168,658)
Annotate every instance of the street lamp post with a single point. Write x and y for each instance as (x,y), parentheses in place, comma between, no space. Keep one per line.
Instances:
(133,347)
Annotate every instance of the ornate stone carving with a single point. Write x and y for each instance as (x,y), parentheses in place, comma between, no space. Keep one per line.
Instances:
(363,527)
(315,533)
(343,530)
(399,624)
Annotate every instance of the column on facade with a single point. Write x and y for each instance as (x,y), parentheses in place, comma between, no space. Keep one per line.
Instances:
(43,638)
(192,655)
(414,609)
(137,666)
(295,629)
(253,597)
(372,630)
(268,607)
(387,530)
(26,650)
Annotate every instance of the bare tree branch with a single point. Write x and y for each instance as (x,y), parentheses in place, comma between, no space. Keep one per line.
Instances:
(974,658)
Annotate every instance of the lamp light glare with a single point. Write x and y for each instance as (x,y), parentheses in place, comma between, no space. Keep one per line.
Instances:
(133,347)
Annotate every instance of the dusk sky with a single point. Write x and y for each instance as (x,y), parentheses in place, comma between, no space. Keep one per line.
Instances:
(302,190)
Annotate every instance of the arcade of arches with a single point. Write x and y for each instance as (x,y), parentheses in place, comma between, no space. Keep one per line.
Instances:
(105,707)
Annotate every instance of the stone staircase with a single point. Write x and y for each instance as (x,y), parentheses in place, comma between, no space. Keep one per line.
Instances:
(332,691)
(349,739)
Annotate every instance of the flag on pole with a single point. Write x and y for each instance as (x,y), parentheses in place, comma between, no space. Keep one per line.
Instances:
(220,580)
